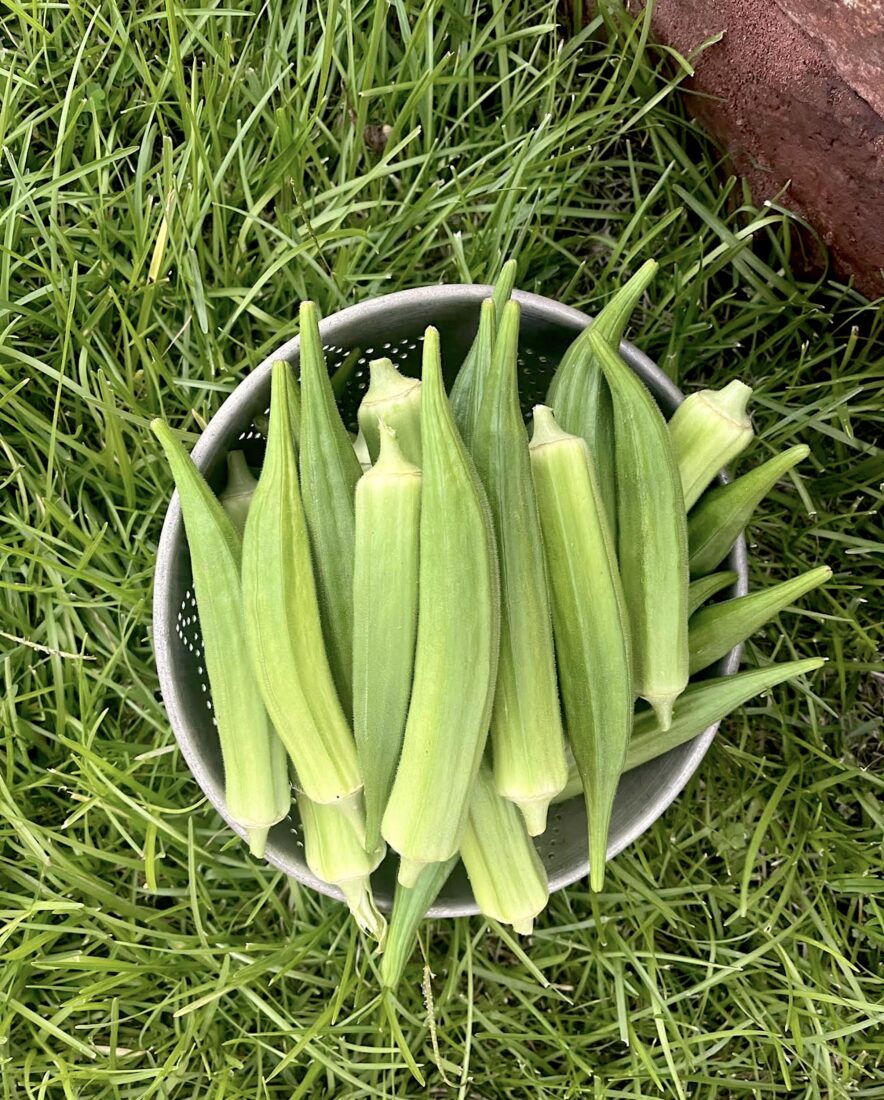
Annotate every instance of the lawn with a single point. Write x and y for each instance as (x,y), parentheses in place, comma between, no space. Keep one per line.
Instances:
(173,181)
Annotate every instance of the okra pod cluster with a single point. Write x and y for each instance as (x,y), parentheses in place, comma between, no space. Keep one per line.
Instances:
(421,626)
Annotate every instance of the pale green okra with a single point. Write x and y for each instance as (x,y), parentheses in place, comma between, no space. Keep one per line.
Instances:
(395,400)
(709,429)
(238,492)
(509,882)
(256,790)
(457,643)
(590,623)
(336,855)
(385,591)
(282,626)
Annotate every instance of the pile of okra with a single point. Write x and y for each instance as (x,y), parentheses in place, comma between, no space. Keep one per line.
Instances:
(430,634)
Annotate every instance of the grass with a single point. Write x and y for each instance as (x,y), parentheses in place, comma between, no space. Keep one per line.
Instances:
(173,181)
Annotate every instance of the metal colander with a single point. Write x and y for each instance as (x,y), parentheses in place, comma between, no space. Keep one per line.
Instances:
(393,325)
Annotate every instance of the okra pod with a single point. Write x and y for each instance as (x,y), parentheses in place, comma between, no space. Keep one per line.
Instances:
(457,643)
(715,630)
(236,500)
(699,707)
(709,429)
(526,728)
(335,854)
(282,627)
(238,492)
(508,880)
(652,536)
(329,471)
(410,906)
(360,449)
(466,391)
(255,793)
(579,395)
(714,525)
(395,400)
(590,623)
(704,704)
(705,588)
(385,586)
(465,394)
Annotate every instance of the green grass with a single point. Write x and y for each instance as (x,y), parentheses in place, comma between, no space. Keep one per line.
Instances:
(173,181)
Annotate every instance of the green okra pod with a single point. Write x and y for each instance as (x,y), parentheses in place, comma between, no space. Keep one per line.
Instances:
(329,471)
(282,626)
(262,420)
(590,622)
(699,707)
(467,389)
(705,588)
(385,587)
(465,393)
(335,854)
(704,704)
(239,490)
(256,792)
(236,500)
(526,731)
(579,395)
(410,905)
(457,643)
(508,880)
(715,630)
(714,525)
(294,392)
(395,400)
(652,536)
(709,429)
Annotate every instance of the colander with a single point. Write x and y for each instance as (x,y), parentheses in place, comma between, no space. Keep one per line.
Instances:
(393,325)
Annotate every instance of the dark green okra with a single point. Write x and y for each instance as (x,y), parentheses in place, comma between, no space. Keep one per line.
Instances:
(716,629)
(527,742)
(329,471)
(705,588)
(699,707)
(714,525)
(652,536)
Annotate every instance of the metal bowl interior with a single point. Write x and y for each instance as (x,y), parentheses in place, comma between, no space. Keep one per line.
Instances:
(393,325)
